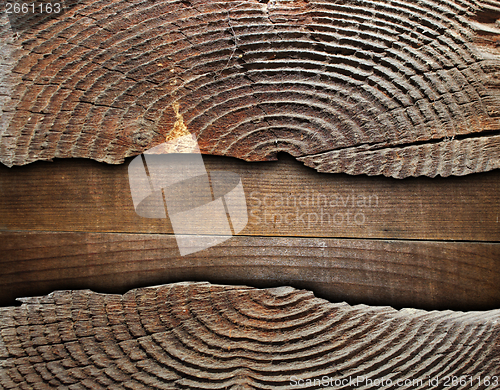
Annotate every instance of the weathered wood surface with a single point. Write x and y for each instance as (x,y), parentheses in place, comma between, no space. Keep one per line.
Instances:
(394,88)
(284,199)
(418,274)
(81,198)
(202,336)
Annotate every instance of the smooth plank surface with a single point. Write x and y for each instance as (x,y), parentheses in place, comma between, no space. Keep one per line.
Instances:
(202,336)
(284,198)
(432,275)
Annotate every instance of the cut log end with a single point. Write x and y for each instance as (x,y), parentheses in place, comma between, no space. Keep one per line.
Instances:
(199,336)
(374,88)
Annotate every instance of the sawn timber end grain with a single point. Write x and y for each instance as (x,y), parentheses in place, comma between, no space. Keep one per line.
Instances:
(378,88)
(200,336)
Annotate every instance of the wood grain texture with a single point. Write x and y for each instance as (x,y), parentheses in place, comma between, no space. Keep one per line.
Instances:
(202,336)
(284,198)
(418,274)
(365,87)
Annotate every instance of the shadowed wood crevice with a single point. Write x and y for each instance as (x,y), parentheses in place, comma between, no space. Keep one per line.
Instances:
(198,335)
(319,80)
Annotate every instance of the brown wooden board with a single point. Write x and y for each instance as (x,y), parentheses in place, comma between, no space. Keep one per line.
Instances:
(202,336)
(283,199)
(380,88)
(419,274)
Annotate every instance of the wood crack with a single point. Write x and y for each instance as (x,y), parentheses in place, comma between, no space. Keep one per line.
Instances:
(380,146)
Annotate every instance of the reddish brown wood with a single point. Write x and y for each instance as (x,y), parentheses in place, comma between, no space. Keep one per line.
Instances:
(380,88)
(199,336)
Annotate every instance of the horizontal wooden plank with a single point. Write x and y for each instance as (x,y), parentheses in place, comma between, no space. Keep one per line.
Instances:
(432,275)
(283,198)
(203,336)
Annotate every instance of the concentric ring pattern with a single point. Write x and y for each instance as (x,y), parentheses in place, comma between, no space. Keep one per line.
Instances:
(393,87)
(202,336)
